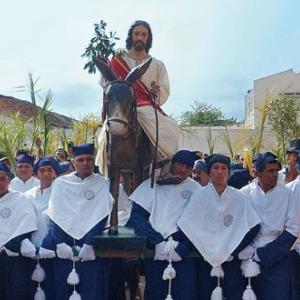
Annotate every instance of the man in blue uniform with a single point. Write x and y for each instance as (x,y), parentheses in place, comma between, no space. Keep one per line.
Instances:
(79,206)
(155,213)
(46,170)
(220,223)
(279,229)
(17,222)
(24,179)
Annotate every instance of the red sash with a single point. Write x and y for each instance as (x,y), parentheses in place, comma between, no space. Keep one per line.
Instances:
(143,95)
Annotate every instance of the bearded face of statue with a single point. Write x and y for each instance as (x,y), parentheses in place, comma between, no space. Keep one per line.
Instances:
(140,37)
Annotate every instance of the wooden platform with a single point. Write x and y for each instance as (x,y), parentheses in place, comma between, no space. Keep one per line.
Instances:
(125,244)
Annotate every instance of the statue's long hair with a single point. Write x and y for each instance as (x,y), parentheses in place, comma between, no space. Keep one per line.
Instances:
(129,35)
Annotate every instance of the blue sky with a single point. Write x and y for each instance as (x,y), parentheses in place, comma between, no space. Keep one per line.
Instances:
(213,49)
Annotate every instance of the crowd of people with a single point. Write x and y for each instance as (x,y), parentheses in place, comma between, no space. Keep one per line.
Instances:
(211,227)
(217,229)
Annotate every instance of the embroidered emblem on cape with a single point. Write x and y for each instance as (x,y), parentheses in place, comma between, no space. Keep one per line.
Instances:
(5,212)
(227,221)
(186,194)
(89,195)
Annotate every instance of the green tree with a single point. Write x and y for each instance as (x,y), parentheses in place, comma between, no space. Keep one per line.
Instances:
(282,115)
(203,114)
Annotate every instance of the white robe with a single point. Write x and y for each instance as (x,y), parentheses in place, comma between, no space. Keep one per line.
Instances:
(40,200)
(19,185)
(216,224)
(165,203)
(276,209)
(77,205)
(17,216)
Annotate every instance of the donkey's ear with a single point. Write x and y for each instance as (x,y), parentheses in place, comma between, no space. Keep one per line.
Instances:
(138,71)
(105,70)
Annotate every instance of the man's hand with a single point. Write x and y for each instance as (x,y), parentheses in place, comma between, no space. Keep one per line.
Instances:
(27,248)
(87,253)
(64,251)
(46,253)
(155,92)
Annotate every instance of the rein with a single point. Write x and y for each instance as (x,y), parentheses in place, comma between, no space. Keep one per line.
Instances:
(156,139)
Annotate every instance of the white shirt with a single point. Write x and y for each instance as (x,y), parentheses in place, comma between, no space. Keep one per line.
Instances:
(165,203)
(19,185)
(294,186)
(276,209)
(77,205)
(40,200)
(216,224)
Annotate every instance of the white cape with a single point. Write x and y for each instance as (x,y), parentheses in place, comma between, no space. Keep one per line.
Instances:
(217,224)
(17,216)
(276,209)
(19,185)
(76,205)
(165,203)
(40,200)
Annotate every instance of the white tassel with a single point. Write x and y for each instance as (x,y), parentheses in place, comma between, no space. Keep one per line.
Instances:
(249,294)
(169,273)
(39,294)
(73,278)
(38,274)
(250,268)
(217,294)
(217,272)
(75,296)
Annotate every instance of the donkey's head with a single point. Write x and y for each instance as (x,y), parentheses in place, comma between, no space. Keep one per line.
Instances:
(120,98)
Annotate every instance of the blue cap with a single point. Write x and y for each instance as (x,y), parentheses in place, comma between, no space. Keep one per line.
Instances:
(200,165)
(185,157)
(25,159)
(261,159)
(47,161)
(239,178)
(293,146)
(64,166)
(236,166)
(83,149)
(5,168)
(217,158)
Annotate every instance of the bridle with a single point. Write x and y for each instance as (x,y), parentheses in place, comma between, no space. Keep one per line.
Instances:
(132,123)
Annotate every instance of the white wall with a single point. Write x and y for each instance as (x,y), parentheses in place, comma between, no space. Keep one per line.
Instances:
(271,86)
